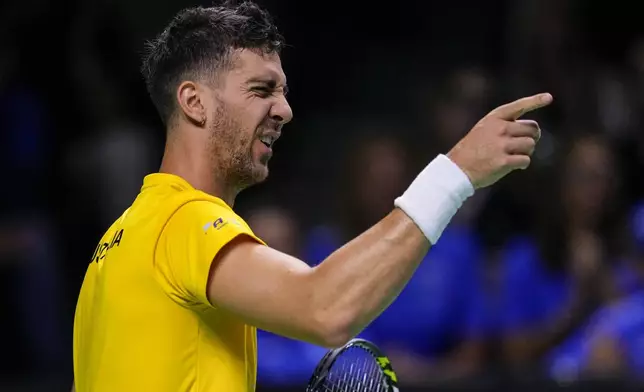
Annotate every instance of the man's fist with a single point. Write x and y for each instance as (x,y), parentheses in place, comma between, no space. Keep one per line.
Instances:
(500,143)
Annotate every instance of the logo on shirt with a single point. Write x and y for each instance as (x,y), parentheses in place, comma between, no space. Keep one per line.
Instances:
(217,224)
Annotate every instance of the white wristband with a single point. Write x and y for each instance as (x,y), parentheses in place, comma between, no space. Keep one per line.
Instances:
(435,195)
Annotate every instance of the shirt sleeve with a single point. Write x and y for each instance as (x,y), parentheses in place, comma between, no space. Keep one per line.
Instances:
(188,245)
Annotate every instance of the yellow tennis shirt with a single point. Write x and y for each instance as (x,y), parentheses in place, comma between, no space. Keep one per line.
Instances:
(143,321)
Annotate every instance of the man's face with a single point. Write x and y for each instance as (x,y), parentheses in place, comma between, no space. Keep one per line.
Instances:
(248,111)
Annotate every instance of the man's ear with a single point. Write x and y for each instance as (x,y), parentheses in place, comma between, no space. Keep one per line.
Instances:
(192,102)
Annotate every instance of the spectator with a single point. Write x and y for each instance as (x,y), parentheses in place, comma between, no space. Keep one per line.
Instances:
(555,280)
(613,340)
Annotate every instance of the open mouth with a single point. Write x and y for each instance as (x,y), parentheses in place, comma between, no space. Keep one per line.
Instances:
(267,140)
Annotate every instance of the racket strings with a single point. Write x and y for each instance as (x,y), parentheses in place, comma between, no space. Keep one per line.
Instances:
(355,370)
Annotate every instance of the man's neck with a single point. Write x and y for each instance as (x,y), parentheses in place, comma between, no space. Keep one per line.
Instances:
(197,170)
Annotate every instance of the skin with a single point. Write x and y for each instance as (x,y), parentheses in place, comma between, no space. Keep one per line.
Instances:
(213,144)
(213,140)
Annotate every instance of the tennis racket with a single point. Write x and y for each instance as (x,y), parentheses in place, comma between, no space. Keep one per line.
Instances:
(358,366)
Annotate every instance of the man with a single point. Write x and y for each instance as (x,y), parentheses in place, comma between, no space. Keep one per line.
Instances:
(178,284)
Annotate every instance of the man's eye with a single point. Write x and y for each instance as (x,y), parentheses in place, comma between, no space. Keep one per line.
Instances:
(262,91)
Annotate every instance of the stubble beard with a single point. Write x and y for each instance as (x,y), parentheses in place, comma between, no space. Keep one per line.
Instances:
(231,152)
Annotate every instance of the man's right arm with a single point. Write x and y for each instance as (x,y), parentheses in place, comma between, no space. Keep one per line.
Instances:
(334,301)
(327,304)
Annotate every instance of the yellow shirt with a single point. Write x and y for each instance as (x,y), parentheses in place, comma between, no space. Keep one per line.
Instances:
(143,321)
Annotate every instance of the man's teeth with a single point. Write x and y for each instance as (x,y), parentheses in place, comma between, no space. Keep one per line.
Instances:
(267,140)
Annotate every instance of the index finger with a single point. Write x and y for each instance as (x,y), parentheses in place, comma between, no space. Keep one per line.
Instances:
(513,110)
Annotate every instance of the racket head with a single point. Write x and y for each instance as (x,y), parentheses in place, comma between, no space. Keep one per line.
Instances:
(358,366)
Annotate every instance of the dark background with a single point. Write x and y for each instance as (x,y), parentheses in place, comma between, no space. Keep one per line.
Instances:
(78,133)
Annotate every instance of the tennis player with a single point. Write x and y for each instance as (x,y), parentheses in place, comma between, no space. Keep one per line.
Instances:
(178,284)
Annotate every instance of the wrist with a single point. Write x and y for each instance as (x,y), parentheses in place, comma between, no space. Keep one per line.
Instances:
(435,196)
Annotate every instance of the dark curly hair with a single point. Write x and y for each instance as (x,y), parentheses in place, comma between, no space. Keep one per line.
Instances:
(200,41)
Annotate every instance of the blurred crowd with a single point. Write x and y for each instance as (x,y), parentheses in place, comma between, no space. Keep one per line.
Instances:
(542,273)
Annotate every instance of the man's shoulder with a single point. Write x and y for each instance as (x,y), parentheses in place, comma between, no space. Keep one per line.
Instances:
(149,214)
(209,213)
(165,196)
(165,205)
(186,214)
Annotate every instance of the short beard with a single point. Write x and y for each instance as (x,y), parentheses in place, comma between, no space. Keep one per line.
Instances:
(230,148)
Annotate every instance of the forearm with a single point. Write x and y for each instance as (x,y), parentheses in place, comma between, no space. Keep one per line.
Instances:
(358,281)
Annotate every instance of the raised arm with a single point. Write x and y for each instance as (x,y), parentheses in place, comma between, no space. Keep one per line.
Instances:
(334,301)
